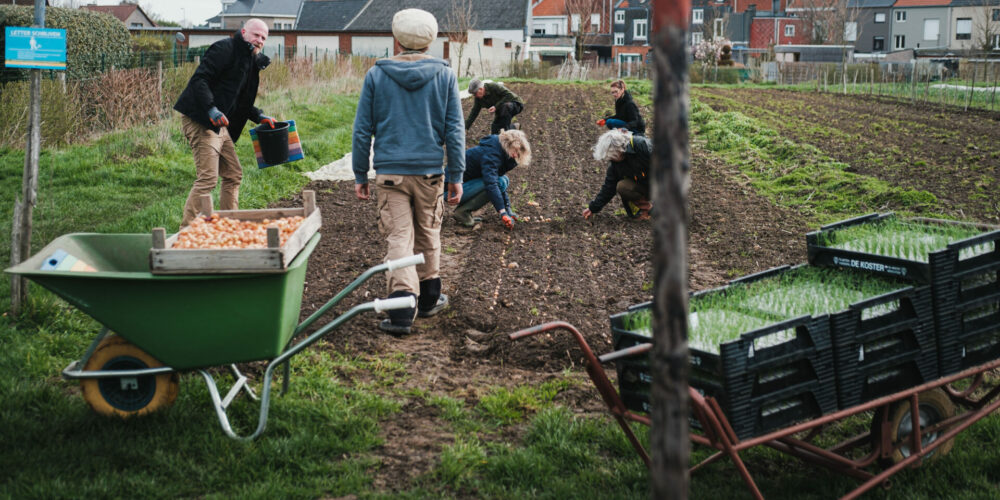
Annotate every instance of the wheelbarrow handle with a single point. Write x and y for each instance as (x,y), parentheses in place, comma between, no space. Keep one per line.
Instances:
(381,305)
(412,260)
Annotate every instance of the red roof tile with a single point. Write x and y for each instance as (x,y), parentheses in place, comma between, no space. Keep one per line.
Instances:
(550,8)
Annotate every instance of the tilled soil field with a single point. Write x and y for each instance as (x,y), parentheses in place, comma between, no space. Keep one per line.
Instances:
(558,266)
(554,266)
(951,153)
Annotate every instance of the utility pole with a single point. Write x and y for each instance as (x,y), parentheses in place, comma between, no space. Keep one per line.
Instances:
(669,437)
(25,205)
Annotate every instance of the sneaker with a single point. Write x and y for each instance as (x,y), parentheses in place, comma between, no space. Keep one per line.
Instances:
(442,303)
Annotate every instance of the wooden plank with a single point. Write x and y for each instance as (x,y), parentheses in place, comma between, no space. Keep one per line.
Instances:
(159,238)
(273,237)
(261,214)
(213,261)
(308,201)
(297,241)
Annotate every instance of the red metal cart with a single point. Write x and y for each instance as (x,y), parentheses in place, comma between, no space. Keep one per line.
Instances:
(907,427)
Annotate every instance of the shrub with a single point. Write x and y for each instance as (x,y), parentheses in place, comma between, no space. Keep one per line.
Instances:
(121,99)
(94,41)
(61,112)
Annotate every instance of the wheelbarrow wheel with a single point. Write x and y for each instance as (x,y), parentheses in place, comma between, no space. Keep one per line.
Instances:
(935,406)
(127,396)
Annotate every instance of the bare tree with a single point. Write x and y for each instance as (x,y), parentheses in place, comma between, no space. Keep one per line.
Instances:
(986,25)
(460,19)
(579,14)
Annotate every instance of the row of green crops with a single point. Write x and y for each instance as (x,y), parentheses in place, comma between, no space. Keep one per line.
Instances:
(723,315)
(903,239)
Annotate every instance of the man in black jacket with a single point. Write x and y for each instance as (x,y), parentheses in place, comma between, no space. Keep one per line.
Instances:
(216,105)
(496,99)
(628,173)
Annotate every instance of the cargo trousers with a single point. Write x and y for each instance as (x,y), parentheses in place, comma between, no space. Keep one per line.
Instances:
(214,156)
(410,209)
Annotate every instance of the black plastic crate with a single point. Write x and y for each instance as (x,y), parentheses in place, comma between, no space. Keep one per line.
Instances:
(968,333)
(941,265)
(748,379)
(883,345)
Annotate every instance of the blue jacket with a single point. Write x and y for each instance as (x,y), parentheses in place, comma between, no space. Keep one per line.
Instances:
(489,161)
(411,106)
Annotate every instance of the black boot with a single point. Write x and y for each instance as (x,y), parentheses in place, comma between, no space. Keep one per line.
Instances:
(431,300)
(400,320)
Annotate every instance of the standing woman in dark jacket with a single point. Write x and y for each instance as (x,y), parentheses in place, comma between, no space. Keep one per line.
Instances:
(216,104)
(626,111)
(628,173)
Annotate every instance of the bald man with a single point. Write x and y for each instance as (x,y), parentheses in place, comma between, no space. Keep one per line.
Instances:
(215,106)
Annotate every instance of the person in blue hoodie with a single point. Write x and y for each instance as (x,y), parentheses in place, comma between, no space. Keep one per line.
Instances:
(485,179)
(409,104)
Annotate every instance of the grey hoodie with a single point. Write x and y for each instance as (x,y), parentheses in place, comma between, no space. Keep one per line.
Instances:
(410,105)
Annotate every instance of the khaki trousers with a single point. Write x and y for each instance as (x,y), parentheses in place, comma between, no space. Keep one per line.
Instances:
(214,156)
(410,209)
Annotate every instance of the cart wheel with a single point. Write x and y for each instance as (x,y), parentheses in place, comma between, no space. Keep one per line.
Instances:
(935,406)
(127,396)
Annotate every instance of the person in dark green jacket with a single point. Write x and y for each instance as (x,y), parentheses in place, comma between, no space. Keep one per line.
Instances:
(496,99)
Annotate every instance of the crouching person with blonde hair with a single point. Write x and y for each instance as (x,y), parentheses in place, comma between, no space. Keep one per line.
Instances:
(485,179)
(628,173)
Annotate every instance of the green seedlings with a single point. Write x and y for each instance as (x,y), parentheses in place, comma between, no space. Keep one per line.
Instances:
(904,240)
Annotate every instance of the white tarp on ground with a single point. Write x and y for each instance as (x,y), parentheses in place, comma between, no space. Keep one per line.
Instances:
(341,170)
(964,88)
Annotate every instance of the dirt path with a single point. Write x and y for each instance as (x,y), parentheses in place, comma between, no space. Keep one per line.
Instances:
(556,266)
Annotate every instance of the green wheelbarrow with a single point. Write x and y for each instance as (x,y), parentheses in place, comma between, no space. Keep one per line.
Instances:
(165,324)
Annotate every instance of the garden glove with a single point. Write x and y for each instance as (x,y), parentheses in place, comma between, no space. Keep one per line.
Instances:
(267,119)
(511,213)
(217,118)
(507,219)
(600,122)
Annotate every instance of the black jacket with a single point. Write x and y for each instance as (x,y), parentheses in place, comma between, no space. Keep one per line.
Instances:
(635,166)
(227,78)
(627,111)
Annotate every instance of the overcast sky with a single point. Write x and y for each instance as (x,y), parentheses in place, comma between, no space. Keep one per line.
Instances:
(185,12)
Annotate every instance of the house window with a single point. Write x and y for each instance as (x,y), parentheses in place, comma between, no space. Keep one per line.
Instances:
(639,29)
(619,38)
(850,31)
(488,42)
(996,14)
(996,42)
(719,28)
(878,44)
(789,30)
(899,42)
(698,16)
(539,30)
(932,29)
(900,16)
(696,38)
(135,25)
(595,23)
(963,28)
(619,17)
(576,22)
(880,17)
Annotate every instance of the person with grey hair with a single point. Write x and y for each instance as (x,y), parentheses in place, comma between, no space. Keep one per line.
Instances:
(628,173)
(216,105)
(496,99)
(409,104)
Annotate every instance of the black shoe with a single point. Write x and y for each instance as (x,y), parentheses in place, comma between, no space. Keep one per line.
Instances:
(387,326)
(399,321)
(442,303)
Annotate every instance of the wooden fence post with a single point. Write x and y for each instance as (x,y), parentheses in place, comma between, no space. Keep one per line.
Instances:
(669,436)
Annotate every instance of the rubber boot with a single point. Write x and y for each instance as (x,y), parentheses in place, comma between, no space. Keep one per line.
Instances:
(399,321)
(631,209)
(463,212)
(431,300)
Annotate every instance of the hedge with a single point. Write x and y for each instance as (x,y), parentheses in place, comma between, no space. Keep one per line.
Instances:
(94,41)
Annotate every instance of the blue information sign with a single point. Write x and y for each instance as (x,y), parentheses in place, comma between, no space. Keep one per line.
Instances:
(43,48)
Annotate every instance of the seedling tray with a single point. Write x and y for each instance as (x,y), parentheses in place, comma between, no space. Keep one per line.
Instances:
(759,388)
(274,259)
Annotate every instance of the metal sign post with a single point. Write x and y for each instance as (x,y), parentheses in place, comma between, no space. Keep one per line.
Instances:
(35,48)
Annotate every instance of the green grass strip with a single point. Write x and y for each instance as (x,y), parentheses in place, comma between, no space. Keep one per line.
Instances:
(798,175)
